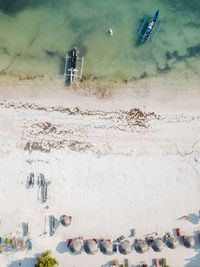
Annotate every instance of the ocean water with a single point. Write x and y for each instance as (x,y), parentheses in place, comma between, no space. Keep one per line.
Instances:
(36,34)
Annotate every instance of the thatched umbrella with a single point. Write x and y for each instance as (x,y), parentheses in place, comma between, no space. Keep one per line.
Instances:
(157,244)
(172,242)
(125,247)
(106,247)
(91,246)
(188,241)
(65,220)
(141,246)
(76,245)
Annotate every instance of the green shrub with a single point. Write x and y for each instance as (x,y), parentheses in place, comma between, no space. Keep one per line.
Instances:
(7,241)
(46,260)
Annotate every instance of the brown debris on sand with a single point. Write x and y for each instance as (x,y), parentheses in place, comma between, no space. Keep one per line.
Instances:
(76,129)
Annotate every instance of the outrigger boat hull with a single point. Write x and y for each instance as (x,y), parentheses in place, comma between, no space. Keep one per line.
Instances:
(70,66)
(73,64)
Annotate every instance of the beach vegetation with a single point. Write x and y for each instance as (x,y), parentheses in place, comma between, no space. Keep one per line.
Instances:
(7,241)
(46,260)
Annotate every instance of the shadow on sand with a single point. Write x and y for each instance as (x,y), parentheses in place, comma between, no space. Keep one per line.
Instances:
(62,247)
(108,264)
(194,261)
(23,262)
(192,218)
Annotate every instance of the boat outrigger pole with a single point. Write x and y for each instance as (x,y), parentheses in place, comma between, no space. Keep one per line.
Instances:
(156,31)
(143,25)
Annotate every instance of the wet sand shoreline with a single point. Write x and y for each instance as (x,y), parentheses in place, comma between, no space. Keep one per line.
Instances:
(104,95)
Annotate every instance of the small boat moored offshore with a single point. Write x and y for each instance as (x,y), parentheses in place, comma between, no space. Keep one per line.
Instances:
(71,68)
(148,26)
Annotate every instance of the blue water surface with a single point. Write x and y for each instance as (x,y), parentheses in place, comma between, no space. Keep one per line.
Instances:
(36,34)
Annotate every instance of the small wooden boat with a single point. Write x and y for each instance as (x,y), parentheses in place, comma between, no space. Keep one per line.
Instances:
(150,26)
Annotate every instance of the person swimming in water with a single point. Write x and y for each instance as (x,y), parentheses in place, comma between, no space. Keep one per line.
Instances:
(110,31)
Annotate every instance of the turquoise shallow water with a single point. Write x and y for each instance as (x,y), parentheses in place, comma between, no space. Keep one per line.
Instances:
(36,34)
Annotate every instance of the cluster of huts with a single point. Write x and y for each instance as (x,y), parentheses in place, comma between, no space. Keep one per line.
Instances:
(91,246)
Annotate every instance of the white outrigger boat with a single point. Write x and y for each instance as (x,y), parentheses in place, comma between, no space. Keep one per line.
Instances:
(71,71)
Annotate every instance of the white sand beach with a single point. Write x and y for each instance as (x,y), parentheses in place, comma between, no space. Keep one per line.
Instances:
(130,160)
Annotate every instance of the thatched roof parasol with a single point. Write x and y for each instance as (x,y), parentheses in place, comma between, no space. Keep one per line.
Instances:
(157,244)
(172,242)
(76,245)
(106,247)
(188,241)
(91,246)
(141,246)
(125,247)
(65,220)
